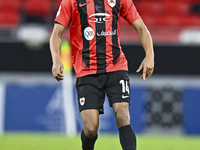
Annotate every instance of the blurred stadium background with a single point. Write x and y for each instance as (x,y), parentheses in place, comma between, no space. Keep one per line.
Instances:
(164,110)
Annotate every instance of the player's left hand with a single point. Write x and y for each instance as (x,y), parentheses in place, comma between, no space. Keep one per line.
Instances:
(148,66)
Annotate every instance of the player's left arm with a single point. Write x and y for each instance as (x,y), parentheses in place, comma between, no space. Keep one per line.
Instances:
(145,38)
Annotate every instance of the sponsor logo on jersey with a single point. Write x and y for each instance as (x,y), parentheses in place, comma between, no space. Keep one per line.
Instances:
(81,5)
(107,33)
(112,3)
(82,101)
(89,33)
(99,17)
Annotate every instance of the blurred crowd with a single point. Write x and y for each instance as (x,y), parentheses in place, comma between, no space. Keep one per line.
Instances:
(162,17)
(15,12)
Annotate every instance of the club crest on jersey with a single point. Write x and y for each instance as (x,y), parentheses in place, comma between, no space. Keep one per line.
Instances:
(82,101)
(112,3)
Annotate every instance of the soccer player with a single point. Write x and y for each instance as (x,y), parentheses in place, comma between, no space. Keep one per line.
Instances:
(99,62)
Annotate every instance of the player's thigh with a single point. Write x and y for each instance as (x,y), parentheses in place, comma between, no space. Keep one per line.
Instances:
(90,118)
(122,115)
(119,107)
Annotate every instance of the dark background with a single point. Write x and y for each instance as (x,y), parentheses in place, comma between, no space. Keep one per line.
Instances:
(169,59)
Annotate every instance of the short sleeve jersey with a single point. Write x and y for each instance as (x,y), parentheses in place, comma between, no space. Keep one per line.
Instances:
(94,33)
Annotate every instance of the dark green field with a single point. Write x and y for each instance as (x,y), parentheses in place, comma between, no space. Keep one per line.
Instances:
(37,141)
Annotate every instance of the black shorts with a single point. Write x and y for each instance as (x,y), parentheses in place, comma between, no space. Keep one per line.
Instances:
(91,90)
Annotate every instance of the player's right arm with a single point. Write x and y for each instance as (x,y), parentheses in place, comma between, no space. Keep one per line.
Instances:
(55,44)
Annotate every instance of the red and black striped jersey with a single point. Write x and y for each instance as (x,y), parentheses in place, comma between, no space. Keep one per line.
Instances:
(94,33)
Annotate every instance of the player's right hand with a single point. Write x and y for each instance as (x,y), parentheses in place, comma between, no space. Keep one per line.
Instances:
(57,70)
